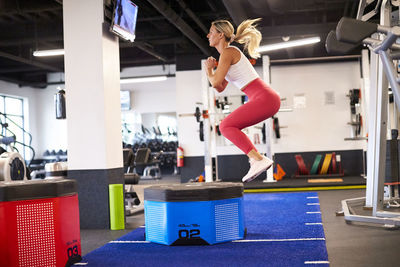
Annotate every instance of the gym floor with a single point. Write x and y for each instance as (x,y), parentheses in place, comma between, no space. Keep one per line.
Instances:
(350,245)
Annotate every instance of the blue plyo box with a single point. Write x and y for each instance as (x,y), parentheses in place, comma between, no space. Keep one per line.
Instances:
(194,214)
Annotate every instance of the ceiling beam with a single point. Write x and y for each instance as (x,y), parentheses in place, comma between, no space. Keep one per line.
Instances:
(17,69)
(179,23)
(23,10)
(14,18)
(163,40)
(192,15)
(21,82)
(140,61)
(236,10)
(30,62)
(154,39)
(149,50)
(211,4)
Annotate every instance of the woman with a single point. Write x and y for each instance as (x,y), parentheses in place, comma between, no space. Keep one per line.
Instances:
(234,67)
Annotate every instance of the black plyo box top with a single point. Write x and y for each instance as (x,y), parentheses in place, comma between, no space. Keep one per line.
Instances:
(193,192)
(36,189)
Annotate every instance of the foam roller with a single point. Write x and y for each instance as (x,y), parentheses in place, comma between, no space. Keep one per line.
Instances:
(116,197)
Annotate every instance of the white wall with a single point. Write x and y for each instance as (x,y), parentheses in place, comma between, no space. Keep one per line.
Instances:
(151,97)
(52,133)
(154,97)
(318,126)
(188,94)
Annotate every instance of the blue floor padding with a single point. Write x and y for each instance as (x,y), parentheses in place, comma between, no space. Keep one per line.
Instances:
(283,229)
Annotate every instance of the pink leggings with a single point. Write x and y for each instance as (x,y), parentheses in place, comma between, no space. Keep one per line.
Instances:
(263,103)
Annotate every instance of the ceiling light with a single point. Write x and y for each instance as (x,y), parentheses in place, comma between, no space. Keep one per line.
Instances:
(288,44)
(48,53)
(143,79)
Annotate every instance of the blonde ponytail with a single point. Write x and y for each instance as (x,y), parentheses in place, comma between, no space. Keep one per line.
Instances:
(247,34)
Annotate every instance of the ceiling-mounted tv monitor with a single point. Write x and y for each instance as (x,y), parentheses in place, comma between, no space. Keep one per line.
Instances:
(124,19)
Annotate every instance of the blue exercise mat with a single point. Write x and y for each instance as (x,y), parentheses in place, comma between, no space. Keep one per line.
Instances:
(283,229)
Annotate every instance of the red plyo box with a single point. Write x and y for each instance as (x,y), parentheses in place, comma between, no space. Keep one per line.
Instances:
(39,223)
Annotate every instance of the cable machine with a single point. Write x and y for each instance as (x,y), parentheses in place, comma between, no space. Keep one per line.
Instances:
(385,53)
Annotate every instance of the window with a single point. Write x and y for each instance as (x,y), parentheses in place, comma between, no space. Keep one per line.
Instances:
(167,123)
(12,121)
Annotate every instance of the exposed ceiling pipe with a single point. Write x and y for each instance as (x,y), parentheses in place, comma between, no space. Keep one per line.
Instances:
(236,10)
(30,62)
(176,20)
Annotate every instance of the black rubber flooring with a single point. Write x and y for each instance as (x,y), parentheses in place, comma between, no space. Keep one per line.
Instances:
(305,182)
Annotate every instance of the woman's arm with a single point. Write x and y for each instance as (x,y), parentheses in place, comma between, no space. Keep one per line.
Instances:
(222,87)
(217,76)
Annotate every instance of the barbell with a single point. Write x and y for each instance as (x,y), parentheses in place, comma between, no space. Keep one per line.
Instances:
(200,114)
(205,115)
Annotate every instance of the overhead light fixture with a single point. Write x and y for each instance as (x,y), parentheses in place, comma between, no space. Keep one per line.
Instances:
(300,42)
(143,79)
(48,53)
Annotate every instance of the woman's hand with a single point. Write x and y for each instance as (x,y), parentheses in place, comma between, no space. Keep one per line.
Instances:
(210,63)
(216,71)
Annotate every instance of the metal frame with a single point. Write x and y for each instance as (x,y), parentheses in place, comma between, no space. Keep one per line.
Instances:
(361,7)
(266,67)
(378,116)
(210,145)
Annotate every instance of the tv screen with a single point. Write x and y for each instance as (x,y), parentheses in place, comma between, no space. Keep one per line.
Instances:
(124,19)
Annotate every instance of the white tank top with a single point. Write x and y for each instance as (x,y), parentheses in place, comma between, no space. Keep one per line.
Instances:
(241,73)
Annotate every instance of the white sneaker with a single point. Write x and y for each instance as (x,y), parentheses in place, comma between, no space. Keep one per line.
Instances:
(256,168)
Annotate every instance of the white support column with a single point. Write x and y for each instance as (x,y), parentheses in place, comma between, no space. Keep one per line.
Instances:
(208,165)
(93,107)
(366,87)
(365,94)
(372,126)
(268,122)
(213,133)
